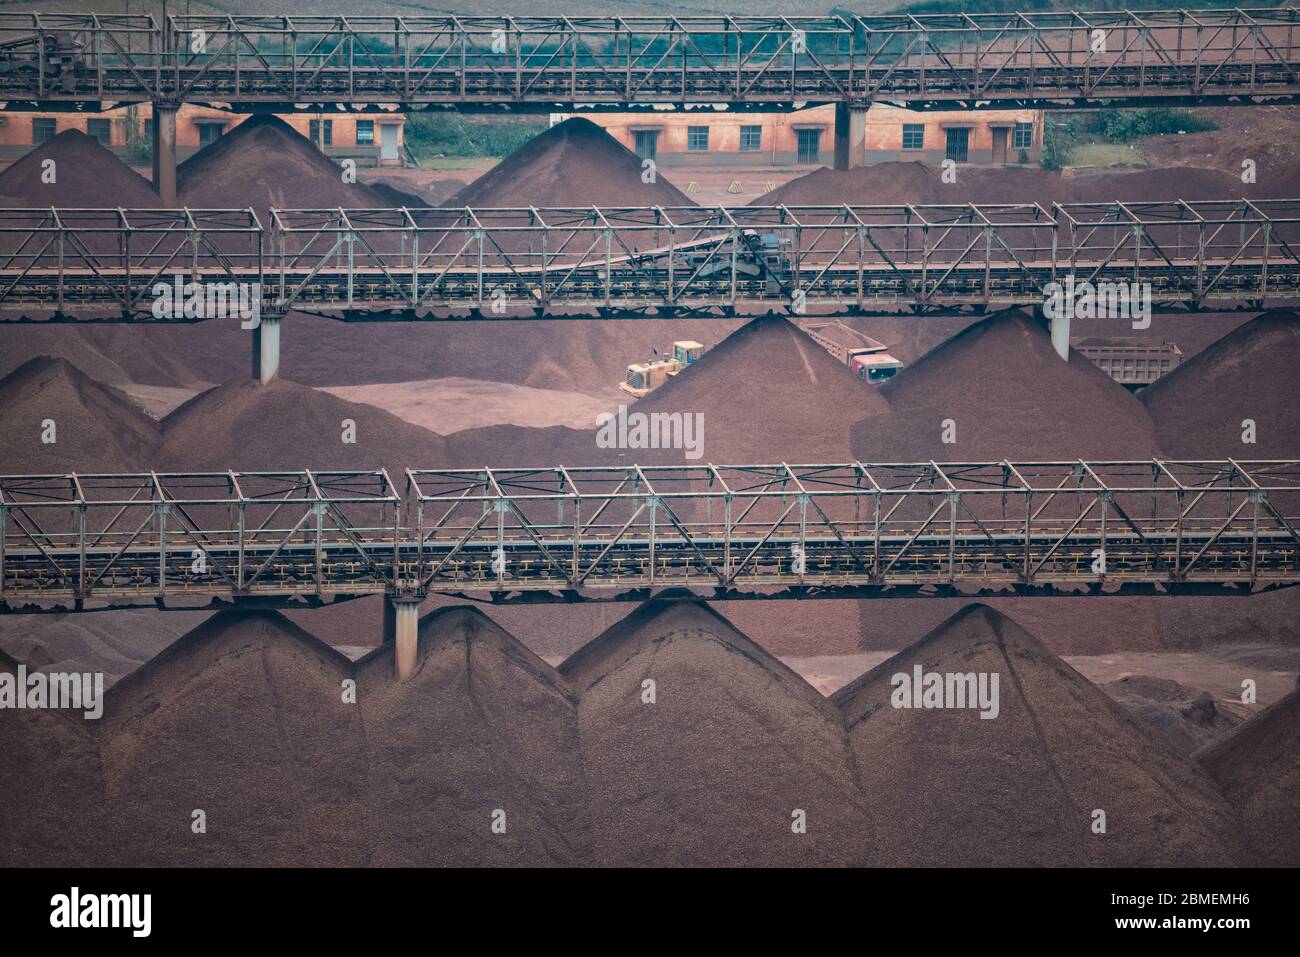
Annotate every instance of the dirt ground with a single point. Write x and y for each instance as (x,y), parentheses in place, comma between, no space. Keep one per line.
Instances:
(434,182)
(1206,672)
(1269,135)
(455,404)
(443,405)
(158,400)
(712,185)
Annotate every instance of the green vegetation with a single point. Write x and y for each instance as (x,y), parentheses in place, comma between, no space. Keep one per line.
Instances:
(1120,126)
(1066,137)
(449,134)
(1100,155)
(1059,139)
(139,146)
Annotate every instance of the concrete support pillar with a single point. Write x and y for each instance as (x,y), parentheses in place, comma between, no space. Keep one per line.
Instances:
(164,153)
(402,627)
(1061,333)
(266,349)
(843,135)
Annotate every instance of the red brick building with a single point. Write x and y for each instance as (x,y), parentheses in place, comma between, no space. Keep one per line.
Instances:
(371,139)
(806,137)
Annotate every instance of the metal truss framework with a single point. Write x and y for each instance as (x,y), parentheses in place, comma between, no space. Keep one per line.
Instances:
(172,534)
(494,263)
(75,61)
(115,258)
(567,533)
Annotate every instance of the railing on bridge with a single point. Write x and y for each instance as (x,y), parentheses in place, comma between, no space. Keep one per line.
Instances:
(748,62)
(115,258)
(853,528)
(176,534)
(135,265)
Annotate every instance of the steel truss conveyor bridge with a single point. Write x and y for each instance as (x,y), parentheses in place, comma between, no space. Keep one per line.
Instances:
(72,264)
(343,63)
(566,534)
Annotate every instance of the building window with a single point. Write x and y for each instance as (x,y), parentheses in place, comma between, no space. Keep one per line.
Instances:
(697,138)
(810,145)
(148,128)
(321,132)
(913,136)
(365,132)
(43,129)
(751,139)
(647,143)
(101,130)
(209,133)
(1023,137)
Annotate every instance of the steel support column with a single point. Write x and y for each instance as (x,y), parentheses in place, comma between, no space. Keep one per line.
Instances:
(266,349)
(164,153)
(1060,327)
(843,135)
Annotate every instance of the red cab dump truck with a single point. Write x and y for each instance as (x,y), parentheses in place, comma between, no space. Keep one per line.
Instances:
(861,353)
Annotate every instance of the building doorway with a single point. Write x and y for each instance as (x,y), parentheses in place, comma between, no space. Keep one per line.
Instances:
(810,146)
(647,143)
(388,142)
(1000,144)
(958,142)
